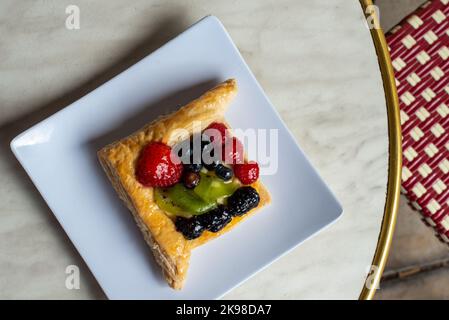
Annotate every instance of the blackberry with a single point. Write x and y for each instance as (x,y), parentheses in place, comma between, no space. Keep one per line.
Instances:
(216,219)
(191,228)
(243,200)
(223,172)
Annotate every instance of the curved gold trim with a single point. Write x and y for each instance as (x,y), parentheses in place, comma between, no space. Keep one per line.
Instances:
(395,154)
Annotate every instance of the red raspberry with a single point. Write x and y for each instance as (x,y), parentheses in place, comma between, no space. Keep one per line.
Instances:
(221,128)
(155,166)
(233,151)
(247,173)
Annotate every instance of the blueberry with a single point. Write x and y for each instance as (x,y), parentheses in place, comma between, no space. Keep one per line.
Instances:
(223,172)
(211,166)
(210,158)
(193,167)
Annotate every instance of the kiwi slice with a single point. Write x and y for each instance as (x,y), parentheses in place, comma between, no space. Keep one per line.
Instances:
(181,201)
(166,204)
(212,189)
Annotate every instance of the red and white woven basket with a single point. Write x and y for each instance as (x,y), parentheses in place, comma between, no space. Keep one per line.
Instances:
(419,48)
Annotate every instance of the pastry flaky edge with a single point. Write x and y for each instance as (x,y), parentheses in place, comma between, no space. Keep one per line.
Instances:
(171,250)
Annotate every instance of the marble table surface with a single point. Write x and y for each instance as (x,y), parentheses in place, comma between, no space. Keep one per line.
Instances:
(332,100)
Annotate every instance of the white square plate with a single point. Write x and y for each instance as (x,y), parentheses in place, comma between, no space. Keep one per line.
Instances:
(59,154)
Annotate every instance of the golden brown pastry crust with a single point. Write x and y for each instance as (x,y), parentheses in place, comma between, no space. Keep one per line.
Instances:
(170,248)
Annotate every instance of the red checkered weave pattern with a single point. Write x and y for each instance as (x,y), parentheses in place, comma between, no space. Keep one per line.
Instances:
(419,48)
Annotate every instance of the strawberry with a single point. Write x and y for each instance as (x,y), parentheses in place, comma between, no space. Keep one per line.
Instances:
(247,173)
(155,166)
(232,152)
(217,128)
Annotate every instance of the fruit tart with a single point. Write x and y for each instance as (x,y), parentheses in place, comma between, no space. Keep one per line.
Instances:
(186,180)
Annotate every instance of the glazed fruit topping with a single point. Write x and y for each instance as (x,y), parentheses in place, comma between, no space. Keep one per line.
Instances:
(243,200)
(212,188)
(190,228)
(157,166)
(247,173)
(212,165)
(191,179)
(193,167)
(214,221)
(180,201)
(210,158)
(208,197)
(240,202)
(217,130)
(190,151)
(223,172)
(232,151)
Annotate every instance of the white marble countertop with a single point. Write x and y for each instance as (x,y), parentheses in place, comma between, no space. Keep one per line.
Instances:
(333,101)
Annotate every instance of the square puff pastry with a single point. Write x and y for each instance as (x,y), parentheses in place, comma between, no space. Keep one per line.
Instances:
(171,250)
